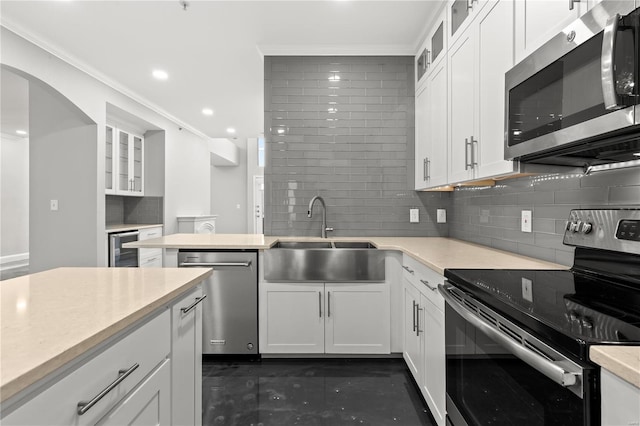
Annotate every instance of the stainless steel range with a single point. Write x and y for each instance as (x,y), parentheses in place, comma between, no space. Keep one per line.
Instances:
(518,340)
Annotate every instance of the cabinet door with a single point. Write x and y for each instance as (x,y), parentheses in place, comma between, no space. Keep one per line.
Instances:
(422,136)
(110,166)
(412,342)
(147,405)
(357,318)
(186,356)
(433,385)
(130,150)
(137,165)
(124,155)
(539,20)
(436,115)
(292,318)
(462,98)
(495,58)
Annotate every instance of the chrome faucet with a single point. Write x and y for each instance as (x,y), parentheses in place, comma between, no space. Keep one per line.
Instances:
(324,214)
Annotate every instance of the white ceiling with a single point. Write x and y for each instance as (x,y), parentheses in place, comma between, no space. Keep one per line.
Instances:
(214,50)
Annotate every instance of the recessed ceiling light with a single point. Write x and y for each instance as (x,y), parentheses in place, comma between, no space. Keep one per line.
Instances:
(207,111)
(21,132)
(231,130)
(160,74)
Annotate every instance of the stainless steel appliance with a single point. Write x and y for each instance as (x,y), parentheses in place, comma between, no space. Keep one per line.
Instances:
(575,101)
(517,341)
(230,312)
(120,256)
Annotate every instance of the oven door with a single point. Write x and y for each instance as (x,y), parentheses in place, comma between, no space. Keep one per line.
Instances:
(120,256)
(499,374)
(582,85)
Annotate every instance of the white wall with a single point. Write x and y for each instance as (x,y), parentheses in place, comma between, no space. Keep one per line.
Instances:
(228,190)
(252,170)
(187,177)
(14,196)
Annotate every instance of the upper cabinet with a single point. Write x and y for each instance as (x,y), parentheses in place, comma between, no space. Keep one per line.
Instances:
(461,14)
(433,50)
(124,168)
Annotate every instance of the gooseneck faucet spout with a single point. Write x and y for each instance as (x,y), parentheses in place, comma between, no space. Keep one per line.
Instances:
(324,214)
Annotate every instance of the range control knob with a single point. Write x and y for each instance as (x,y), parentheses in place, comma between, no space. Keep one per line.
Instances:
(573,226)
(586,227)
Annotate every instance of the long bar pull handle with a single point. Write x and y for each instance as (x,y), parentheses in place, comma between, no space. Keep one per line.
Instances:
(328,304)
(320,304)
(432,288)
(214,264)
(428,169)
(127,234)
(409,270)
(607,64)
(466,154)
(193,305)
(571,3)
(474,161)
(424,169)
(418,331)
(84,406)
(413,314)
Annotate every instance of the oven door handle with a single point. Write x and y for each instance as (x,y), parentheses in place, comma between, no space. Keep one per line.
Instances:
(556,373)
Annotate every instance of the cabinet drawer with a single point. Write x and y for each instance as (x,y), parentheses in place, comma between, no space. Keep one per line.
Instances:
(152,260)
(148,233)
(423,278)
(146,346)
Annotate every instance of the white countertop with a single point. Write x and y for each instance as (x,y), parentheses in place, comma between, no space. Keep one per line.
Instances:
(52,317)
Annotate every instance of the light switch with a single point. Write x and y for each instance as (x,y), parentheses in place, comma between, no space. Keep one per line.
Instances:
(526,221)
(441,216)
(414,215)
(54,205)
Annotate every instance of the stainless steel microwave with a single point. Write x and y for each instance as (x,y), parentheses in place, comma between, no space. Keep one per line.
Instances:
(575,101)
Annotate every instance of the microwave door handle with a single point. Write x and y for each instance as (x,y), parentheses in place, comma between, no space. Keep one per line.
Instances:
(607,63)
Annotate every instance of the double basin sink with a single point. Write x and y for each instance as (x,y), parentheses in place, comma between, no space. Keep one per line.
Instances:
(324,261)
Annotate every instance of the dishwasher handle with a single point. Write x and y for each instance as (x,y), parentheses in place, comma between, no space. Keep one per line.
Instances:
(213,264)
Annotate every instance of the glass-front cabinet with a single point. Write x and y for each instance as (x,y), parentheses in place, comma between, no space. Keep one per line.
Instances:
(124,168)
(433,49)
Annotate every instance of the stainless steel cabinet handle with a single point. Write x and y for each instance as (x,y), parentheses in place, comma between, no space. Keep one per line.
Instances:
(320,304)
(424,169)
(193,305)
(466,154)
(432,288)
(328,304)
(409,270)
(571,3)
(413,314)
(474,161)
(428,58)
(418,331)
(607,64)
(549,368)
(84,406)
(214,264)
(428,169)
(127,234)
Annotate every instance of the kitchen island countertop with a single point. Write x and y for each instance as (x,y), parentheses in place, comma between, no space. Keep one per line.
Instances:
(52,317)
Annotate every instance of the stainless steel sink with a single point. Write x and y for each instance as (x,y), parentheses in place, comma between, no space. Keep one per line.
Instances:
(324,261)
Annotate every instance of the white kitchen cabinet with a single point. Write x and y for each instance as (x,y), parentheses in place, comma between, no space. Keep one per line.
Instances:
(124,163)
(422,137)
(620,400)
(147,347)
(324,318)
(477,64)
(147,405)
(150,257)
(537,21)
(423,330)
(186,356)
(433,49)
(461,14)
(357,318)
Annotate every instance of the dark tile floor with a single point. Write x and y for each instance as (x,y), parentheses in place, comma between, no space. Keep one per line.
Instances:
(311,392)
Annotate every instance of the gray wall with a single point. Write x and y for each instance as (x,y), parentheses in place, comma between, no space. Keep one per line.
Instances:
(491,216)
(63,161)
(14,203)
(228,190)
(358,158)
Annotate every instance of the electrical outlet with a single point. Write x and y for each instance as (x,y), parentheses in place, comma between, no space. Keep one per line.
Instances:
(414,215)
(526,221)
(441,216)
(54,205)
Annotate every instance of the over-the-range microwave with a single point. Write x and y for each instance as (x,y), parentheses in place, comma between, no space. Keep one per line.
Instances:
(575,100)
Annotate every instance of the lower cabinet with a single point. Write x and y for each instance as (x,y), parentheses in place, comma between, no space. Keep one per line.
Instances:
(620,400)
(423,334)
(335,318)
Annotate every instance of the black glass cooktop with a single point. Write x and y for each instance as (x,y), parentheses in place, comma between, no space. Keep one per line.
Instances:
(570,309)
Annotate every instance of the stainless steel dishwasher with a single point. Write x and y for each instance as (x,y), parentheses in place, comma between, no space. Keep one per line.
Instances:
(230,312)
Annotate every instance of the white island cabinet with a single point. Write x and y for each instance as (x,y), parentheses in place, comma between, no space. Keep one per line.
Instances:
(135,360)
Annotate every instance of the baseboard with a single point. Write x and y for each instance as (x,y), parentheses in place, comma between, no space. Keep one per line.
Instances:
(14,261)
